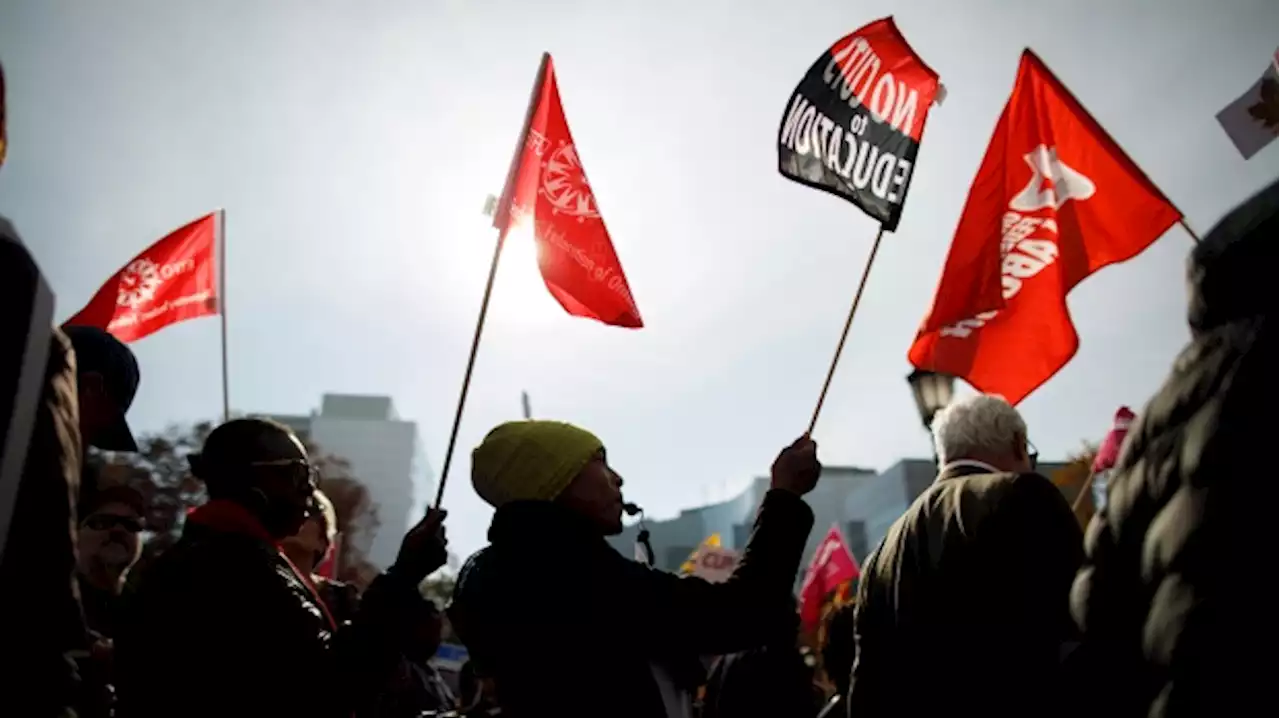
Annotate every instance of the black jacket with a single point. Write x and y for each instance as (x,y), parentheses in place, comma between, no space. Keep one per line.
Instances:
(220,625)
(1177,587)
(568,627)
(962,610)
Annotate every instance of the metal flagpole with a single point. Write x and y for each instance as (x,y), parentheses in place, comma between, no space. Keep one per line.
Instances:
(222,307)
(844,334)
(504,211)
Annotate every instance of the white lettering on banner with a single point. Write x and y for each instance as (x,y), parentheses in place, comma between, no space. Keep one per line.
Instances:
(859,74)
(715,564)
(597,273)
(1029,244)
(809,132)
(137,317)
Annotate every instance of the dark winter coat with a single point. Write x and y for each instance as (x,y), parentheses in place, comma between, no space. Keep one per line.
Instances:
(1174,599)
(221,625)
(568,627)
(963,610)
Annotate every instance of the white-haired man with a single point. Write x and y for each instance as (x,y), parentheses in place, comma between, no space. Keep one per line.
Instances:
(963,609)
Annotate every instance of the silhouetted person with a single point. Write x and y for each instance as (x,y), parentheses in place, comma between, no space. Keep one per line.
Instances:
(417,686)
(222,624)
(962,609)
(1178,574)
(309,548)
(566,625)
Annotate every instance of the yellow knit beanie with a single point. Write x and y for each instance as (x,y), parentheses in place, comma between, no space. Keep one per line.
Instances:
(530,460)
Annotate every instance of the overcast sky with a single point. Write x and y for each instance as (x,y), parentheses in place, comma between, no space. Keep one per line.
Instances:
(353,145)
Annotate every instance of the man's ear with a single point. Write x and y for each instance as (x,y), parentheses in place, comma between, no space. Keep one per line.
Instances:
(1020,447)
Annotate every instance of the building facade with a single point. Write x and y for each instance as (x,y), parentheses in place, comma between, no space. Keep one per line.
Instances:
(384,454)
(861,502)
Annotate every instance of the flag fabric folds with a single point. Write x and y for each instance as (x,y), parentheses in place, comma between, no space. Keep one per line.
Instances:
(1054,201)
(173,280)
(547,188)
(854,123)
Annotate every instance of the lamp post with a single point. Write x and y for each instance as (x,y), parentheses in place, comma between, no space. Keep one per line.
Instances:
(932,391)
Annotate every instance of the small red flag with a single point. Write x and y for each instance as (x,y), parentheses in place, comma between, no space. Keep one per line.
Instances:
(1055,200)
(173,280)
(328,568)
(548,187)
(833,564)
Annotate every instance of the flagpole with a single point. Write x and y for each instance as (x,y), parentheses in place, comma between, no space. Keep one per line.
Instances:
(502,220)
(844,334)
(222,308)
(1183,221)
(1084,491)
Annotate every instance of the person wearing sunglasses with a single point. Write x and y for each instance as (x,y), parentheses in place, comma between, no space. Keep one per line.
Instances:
(226,610)
(969,588)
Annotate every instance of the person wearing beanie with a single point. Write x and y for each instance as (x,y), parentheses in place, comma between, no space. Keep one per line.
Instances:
(567,626)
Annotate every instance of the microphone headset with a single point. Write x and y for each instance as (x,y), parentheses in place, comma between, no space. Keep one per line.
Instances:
(642,537)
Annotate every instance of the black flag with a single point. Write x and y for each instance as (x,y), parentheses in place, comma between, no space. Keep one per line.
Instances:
(853,125)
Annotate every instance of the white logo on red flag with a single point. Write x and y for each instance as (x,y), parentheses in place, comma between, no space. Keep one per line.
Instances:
(548,190)
(173,280)
(999,318)
(1052,184)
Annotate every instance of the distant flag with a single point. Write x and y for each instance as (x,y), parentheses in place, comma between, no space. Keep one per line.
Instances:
(1064,201)
(171,281)
(547,187)
(712,541)
(833,564)
(1108,454)
(1251,119)
(854,123)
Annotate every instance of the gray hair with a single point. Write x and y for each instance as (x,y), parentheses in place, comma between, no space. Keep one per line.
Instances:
(979,425)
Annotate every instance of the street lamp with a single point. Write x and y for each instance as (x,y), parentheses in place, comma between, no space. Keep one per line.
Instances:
(932,391)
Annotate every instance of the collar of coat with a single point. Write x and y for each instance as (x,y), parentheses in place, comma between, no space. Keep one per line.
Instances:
(542,522)
(966,467)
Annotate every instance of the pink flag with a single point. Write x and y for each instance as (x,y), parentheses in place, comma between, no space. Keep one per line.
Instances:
(1109,451)
(833,564)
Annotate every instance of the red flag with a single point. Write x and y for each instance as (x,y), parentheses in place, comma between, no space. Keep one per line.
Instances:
(548,187)
(173,280)
(1055,200)
(833,564)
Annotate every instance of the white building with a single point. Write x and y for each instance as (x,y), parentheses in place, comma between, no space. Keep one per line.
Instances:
(384,454)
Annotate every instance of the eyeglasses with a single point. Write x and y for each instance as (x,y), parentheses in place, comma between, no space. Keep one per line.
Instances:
(1033,454)
(106,522)
(303,472)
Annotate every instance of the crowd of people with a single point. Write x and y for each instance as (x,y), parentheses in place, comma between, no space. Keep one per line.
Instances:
(984,598)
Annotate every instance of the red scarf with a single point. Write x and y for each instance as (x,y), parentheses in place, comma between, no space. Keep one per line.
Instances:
(229,517)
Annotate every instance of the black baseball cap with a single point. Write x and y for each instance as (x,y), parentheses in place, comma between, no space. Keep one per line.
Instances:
(98,351)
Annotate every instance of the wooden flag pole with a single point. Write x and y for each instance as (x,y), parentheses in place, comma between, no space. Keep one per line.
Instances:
(1084,491)
(222,308)
(502,220)
(471,365)
(844,334)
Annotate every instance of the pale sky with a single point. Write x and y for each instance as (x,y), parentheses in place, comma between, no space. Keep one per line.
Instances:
(353,144)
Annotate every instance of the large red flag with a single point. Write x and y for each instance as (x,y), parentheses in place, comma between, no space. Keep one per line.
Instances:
(548,187)
(833,564)
(173,280)
(1055,200)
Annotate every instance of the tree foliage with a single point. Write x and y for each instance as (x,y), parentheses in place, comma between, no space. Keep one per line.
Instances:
(1074,477)
(161,474)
